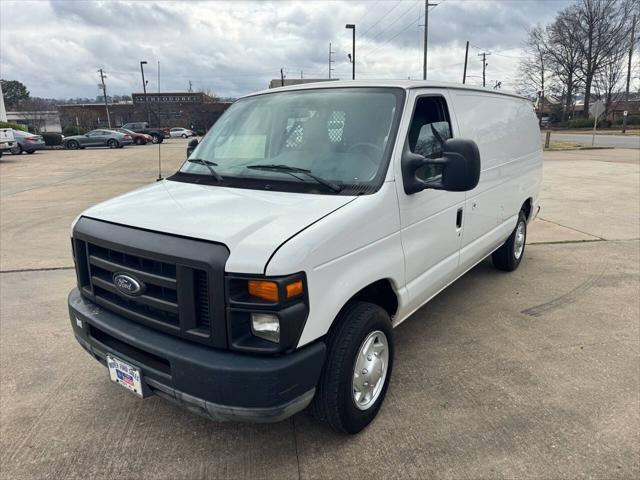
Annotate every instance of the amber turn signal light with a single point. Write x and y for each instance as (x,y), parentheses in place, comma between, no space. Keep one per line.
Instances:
(294,289)
(264,290)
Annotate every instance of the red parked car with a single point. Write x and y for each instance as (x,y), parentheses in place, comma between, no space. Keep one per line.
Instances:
(138,138)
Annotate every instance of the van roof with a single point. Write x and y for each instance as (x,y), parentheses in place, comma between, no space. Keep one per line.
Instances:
(404,84)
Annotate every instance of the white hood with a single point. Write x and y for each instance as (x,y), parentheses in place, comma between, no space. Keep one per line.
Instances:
(251,223)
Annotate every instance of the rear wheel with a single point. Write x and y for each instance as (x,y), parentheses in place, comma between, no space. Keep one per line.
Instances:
(112,143)
(184,135)
(358,368)
(72,145)
(30,151)
(510,254)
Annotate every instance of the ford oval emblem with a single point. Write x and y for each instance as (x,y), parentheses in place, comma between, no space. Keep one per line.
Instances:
(128,284)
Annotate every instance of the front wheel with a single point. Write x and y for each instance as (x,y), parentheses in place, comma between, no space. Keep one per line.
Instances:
(510,254)
(17,150)
(156,138)
(72,145)
(358,368)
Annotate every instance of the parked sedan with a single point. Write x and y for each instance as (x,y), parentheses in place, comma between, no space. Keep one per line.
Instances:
(98,138)
(138,138)
(27,142)
(181,132)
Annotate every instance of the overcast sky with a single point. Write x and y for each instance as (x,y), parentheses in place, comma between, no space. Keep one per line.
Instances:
(232,48)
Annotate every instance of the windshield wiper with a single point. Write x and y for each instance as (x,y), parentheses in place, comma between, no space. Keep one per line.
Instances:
(288,169)
(209,165)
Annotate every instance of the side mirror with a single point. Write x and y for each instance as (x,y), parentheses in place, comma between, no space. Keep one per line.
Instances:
(459,164)
(191,146)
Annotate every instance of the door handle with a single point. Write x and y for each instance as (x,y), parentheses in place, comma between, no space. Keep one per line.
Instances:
(459,218)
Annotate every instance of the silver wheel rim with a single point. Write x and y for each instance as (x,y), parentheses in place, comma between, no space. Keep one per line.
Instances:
(370,370)
(518,245)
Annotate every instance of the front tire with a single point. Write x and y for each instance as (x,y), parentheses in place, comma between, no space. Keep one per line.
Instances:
(17,150)
(156,138)
(72,145)
(358,368)
(510,254)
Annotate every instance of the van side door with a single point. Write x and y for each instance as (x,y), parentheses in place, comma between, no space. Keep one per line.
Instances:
(431,220)
(494,122)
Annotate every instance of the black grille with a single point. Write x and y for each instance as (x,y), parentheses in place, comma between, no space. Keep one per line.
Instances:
(158,306)
(183,278)
(203,310)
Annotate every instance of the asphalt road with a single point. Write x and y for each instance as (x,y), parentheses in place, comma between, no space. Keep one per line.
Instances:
(533,374)
(616,141)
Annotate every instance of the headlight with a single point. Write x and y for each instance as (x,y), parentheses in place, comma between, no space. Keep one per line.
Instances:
(266,325)
(266,314)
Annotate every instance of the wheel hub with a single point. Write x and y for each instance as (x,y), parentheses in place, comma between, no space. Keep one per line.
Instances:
(518,244)
(370,370)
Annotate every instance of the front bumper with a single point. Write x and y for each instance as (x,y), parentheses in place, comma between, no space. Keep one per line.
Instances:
(221,385)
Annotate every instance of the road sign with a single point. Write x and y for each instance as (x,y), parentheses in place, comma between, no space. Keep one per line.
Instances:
(625,113)
(596,108)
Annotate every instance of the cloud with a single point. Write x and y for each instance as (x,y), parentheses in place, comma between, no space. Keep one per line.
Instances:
(234,48)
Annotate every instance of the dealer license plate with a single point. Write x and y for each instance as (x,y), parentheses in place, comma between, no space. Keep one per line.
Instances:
(124,374)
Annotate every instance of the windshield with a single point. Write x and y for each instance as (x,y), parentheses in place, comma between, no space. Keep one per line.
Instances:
(343,136)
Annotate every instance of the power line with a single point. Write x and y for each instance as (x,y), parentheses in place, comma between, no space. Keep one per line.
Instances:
(402,30)
(388,27)
(383,16)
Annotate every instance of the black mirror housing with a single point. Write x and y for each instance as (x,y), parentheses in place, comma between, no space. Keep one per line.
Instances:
(191,146)
(460,164)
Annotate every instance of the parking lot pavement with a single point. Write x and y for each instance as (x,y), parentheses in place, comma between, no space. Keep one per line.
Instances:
(528,374)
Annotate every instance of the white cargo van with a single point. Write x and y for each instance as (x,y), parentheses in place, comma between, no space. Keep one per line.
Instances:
(267,274)
(7,140)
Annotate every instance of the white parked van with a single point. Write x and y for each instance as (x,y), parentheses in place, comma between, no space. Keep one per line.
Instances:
(267,274)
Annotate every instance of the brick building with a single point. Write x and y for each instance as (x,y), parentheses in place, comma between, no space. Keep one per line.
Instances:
(170,109)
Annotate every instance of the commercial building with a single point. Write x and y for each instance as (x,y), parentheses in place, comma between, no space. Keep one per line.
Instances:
(195,110)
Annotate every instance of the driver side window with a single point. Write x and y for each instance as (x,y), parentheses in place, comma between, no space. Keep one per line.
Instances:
(430,128)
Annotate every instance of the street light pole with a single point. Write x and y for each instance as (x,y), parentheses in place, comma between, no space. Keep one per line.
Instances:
(352,27)
(144,89)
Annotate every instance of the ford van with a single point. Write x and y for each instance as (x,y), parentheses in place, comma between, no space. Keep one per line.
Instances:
(267,274)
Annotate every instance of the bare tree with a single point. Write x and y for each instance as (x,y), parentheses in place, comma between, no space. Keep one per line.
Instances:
(608,83)
(565,56)
(533,70)
(602,24)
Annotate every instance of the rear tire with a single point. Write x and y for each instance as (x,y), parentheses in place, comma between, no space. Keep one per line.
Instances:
(30,152)
(112,143)
(338,400)
(184,135)
(510,254)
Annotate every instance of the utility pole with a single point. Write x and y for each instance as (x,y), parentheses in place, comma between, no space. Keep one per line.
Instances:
(466,57)
(426,36)
(144,89)
(330,60)
(484,56)
(104,94)
(352,27)
(626,95)
(190,86)
(281,78)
